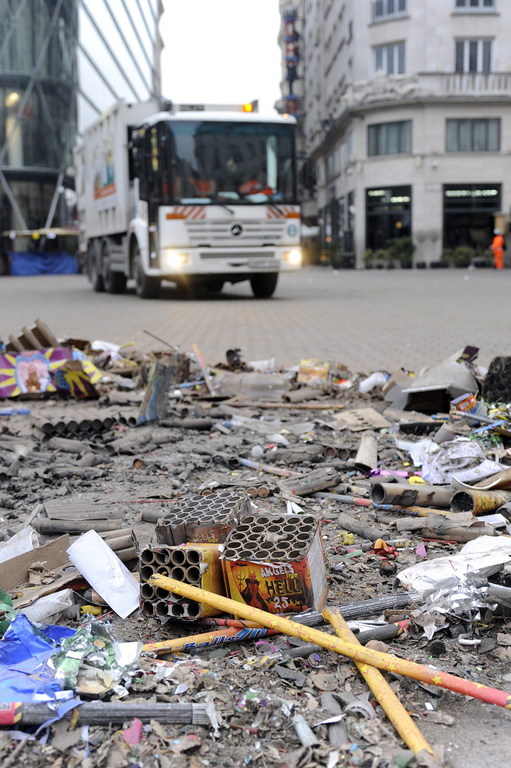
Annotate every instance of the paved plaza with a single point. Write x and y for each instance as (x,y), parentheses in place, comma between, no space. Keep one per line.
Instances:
(367,320)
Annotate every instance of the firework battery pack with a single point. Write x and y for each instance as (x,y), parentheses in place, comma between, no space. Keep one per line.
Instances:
(206,519)
(195,564)
(276,563)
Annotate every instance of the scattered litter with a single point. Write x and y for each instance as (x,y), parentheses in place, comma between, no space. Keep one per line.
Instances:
(168,547)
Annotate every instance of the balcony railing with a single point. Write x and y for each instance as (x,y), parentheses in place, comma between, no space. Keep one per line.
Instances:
(466,83)
(423,85)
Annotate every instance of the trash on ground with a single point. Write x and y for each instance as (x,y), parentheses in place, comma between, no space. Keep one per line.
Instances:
(167,549)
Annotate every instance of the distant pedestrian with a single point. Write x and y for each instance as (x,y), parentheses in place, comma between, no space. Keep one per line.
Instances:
(498,247)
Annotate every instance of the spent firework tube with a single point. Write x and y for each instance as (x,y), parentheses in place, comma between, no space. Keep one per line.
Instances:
(385,696)
(356,652)
(207,639)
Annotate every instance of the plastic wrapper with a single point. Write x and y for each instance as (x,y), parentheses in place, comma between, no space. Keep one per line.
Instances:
(461,459)
(49,607)
(93,662)
(23,541)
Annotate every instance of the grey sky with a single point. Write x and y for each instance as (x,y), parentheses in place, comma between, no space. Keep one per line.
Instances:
(221,51)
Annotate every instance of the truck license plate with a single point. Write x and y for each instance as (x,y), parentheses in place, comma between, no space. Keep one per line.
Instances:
(261,263)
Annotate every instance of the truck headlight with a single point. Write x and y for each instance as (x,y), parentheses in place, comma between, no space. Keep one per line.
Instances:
(175,259)
(294,256)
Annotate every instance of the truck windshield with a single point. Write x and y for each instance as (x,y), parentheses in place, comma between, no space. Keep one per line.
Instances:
(231,162)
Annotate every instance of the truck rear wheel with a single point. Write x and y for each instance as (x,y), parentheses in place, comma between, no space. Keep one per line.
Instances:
(263,286)
(93,269)
(146,287)
(114,282)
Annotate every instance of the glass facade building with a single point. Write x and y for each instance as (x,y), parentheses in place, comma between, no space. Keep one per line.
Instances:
(118,54)
(38,84)
(63,63)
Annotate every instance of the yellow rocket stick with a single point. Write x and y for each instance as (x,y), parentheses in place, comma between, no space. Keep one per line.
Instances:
(385,696)
(357,652)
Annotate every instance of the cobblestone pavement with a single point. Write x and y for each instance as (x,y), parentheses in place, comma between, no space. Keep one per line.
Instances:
(366,319)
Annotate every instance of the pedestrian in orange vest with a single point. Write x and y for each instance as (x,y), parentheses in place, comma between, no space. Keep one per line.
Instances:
(498,246)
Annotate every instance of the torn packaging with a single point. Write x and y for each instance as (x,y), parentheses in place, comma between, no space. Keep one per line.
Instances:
(432,390)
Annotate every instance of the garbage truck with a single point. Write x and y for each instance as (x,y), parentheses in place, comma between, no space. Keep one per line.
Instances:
(196,195)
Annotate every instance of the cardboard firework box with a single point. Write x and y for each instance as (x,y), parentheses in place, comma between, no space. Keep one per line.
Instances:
(276,564)
(195,564)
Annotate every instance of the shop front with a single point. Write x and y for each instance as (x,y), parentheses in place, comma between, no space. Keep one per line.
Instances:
(469,214)
(388,215)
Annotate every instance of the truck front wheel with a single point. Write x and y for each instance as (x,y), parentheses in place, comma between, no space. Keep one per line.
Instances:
(146,287)
(263,286)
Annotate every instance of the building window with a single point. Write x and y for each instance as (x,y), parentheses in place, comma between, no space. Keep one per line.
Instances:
(390,58)
(390,138)
(473,56)
(330,166)
(475,5)
(350,146)
(481,135)
(342,156)
(388,9)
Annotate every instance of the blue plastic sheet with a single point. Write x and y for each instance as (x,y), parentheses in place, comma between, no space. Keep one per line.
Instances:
(24,653)
(58,263)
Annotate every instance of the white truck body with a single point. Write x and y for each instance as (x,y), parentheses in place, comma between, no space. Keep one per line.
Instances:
(153,203)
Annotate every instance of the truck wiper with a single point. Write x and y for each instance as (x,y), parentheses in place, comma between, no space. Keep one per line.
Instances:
(224,205)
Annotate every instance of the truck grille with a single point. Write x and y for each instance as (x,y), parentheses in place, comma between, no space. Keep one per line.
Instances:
(218,233)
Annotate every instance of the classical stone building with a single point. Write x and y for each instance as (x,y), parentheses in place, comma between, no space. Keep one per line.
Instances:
(406,120)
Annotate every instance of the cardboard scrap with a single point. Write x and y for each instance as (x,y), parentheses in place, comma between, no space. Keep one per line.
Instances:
(64,575)
(360,419)
(74,380)
(43,371)
(50,556)
(76,509)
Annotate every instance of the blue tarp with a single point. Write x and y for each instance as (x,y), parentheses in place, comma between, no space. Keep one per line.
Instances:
(58,263)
